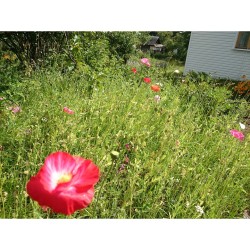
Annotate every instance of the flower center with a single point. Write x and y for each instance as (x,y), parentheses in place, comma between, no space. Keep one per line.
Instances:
(64,178)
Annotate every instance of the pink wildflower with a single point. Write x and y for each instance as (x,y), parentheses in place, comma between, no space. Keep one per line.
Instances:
(67,110)
(145,61)
(15,109)
(237,134)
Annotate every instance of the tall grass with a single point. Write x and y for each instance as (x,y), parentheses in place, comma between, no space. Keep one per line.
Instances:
(172,159)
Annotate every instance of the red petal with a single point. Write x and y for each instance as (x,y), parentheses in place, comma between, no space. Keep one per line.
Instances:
(87,174)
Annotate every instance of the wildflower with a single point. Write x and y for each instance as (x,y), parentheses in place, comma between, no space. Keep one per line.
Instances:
(145,61)
(176,71)
(243,87)
(128,146)
(1,98)
(65,183)
(6,57)
(199,209)
(157,98)
(134,70)
(15,109)
(237,134)
(126,160)
(26,172)
(146,79)
(44,119)
(155,88)
(67,110)
(242,125)
(159,84)
(183,80)
(121,168)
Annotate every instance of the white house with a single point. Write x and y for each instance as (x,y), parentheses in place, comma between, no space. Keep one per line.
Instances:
(221,54)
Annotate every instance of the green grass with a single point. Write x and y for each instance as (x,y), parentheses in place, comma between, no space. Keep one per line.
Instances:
(181,152)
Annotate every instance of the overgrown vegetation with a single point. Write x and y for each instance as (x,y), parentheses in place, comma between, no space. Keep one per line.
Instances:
(172,157)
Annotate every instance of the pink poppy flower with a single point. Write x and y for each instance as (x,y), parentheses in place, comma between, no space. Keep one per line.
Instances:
(145,61)
(147,80)
(134,70)
(237,134)
(67,110)
(65,183)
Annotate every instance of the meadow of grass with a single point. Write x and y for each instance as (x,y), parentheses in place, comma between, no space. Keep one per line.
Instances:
(169,159)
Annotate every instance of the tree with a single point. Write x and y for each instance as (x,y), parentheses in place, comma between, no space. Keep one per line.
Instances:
(32,48)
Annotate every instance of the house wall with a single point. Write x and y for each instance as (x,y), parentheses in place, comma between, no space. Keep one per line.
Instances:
(214,53)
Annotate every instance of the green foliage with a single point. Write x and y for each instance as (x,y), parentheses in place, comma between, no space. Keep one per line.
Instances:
(10,70)
(176,45)
(122,44)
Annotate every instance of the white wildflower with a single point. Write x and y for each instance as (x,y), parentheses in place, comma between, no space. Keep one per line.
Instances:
(157,98)
(199,209)
(242,125)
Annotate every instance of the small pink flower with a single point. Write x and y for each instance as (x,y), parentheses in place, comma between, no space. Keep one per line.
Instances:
(1,98)
(67,110)
(145,61)
(15,109)
(237,134)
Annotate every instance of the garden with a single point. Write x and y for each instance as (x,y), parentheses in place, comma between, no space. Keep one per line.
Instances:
(100,131)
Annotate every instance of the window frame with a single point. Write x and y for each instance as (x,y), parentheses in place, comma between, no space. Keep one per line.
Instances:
(240,44)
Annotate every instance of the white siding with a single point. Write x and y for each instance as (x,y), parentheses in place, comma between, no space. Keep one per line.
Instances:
(214,53)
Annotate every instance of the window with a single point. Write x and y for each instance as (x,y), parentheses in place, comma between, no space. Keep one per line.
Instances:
(243,40)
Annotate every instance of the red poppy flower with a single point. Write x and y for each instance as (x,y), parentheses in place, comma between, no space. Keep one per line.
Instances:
(155,88)
(65,183)
(147,80)
(134,70)
(67,110)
